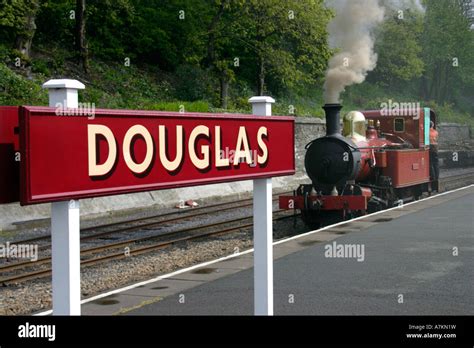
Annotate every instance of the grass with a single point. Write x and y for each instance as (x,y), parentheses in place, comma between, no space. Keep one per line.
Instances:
(181,106)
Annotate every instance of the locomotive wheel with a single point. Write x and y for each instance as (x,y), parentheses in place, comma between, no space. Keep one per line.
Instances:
(332,217)
(315,220)
(418,192)
(311,220)
(373,207)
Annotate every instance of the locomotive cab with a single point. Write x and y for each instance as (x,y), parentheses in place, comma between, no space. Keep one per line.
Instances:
(354,126)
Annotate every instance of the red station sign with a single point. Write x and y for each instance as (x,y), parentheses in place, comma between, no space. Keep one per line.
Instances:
(123,151)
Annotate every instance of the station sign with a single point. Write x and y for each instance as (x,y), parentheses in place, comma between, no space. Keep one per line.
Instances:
(72,156)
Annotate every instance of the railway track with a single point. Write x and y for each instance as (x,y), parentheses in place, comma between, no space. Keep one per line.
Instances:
(455,181)
(136,224)
(183,235)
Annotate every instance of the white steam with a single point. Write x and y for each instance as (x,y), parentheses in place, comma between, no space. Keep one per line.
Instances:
(404,4)
(351,32)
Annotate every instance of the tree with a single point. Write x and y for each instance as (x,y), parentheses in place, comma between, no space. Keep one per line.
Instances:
(81,44)
(448,50)
(27,31)
(283,42)
(11,19)
(109,31)
(221,48)
(398,45)
(18,16)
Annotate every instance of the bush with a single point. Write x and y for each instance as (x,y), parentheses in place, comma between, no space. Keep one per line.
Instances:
(131,87)
(197,106)
(17,90)
(5,53)
(41,67)
(193,83)
(447,113)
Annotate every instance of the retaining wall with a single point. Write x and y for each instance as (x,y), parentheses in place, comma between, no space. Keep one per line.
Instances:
(452,134)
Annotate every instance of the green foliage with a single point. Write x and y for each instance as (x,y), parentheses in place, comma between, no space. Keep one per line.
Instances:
(193,83)
(16,90)
(11,13)
(4,53)
(197,106)
(370,96)
(447,113)
(40,66)
(117,86)
(108,29)
(286,40)
(206,54)
(12,18)
(399,49)
(54,24)
(448,49)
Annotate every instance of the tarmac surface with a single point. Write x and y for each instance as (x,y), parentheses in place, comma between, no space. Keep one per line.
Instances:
(414,260)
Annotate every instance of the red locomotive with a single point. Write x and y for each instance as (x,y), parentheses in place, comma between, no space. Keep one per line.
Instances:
(378,162)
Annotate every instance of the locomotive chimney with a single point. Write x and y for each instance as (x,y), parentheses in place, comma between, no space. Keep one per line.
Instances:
(333,125)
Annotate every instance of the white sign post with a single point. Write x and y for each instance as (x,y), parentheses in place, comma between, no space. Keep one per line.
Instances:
(262,228)
(65,226)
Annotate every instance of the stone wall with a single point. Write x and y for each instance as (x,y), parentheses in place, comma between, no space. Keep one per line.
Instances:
(453,134)
(306,130)
(456,146)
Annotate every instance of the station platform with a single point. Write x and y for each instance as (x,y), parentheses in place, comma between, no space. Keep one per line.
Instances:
(417,259)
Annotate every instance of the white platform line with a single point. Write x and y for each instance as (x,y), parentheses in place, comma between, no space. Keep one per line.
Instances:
(164,276)
(368,215)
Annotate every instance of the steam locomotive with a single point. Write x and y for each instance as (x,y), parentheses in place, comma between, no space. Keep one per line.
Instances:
(379,161)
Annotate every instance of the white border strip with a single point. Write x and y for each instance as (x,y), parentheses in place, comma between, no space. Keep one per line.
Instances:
(164,276)
(368,215)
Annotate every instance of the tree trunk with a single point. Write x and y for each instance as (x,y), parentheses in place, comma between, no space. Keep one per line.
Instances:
(433,90)
(440,82)
(81,44)
(211,54)
(224,79)
(424,92)
(211,60)
(261,76)
(25,36)
(446,87)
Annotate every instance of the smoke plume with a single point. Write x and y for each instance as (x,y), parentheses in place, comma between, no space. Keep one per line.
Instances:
(404,4)
(350,31)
